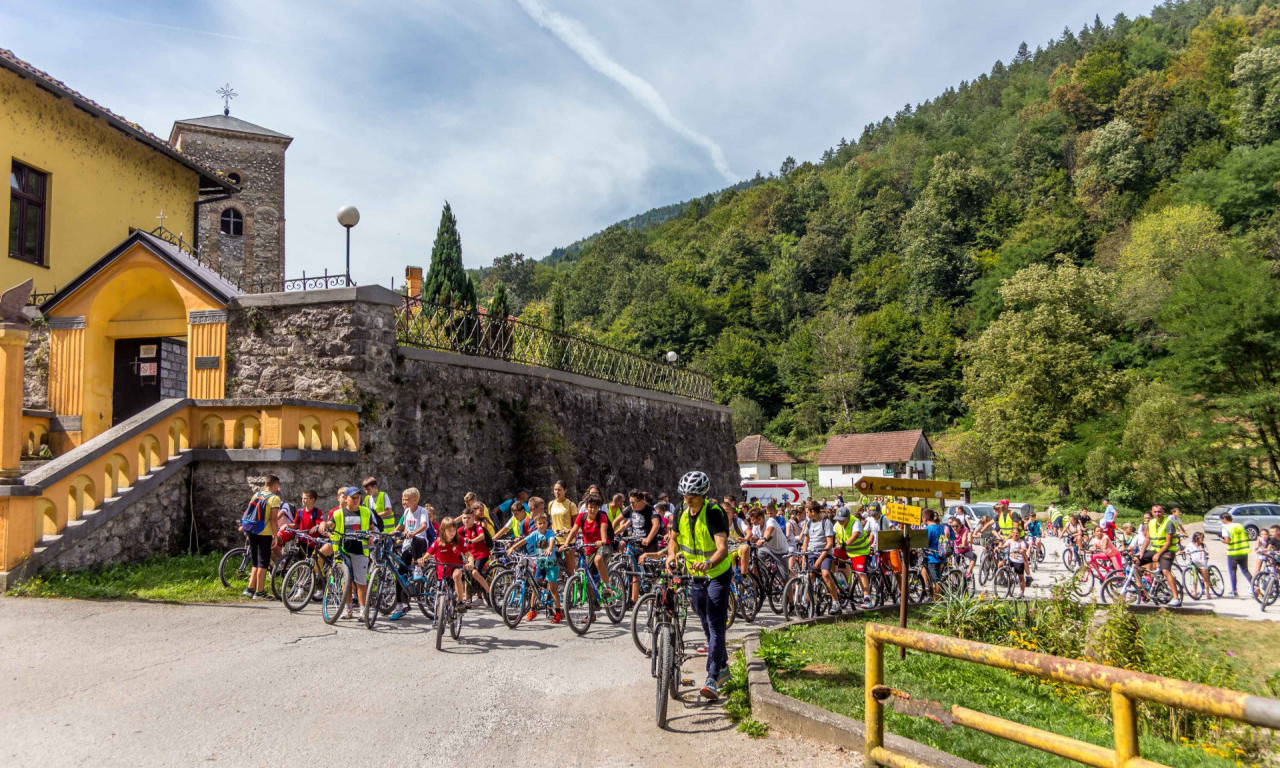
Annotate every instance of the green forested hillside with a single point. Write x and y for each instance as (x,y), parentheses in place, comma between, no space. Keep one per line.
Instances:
(1068,266)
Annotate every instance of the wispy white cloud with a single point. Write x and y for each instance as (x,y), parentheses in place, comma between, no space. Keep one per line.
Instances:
(578,40)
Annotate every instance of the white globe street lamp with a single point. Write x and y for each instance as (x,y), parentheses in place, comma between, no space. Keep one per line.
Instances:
(348,217)
(672,357)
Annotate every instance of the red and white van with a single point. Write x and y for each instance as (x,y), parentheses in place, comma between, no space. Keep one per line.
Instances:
(778,490)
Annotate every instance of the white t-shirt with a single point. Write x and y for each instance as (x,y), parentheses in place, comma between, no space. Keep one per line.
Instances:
(414,518)
(1016,548)
(774,538)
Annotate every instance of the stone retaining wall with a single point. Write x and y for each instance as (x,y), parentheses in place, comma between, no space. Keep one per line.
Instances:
(449,423)
(35,370)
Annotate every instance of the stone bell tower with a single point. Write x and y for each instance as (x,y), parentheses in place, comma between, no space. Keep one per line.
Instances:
(242,237)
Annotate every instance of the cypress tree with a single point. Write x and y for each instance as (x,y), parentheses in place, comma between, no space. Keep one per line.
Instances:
(446,281)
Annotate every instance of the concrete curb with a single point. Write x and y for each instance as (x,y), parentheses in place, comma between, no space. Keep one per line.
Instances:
(798,717)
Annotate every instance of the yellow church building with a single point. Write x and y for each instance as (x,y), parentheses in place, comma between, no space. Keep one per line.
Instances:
(82,178)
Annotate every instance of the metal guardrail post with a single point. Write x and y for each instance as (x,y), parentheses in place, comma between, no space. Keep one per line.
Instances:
(1124,714)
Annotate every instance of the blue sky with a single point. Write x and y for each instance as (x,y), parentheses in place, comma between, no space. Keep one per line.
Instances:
(540,120)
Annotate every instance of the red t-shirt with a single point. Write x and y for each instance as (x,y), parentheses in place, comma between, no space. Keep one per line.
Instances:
(448,554)
(309,518)
(592,532)
(478,549)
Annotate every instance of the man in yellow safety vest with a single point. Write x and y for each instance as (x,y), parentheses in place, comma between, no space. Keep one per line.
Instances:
(1237,541)
(702,538)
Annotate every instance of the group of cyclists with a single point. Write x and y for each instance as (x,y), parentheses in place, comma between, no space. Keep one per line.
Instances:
(600,551)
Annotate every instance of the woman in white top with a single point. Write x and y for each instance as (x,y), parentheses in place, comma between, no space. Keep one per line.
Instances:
(1017,549)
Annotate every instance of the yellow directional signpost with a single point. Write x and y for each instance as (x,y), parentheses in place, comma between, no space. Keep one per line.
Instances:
(911,489)
(907,515)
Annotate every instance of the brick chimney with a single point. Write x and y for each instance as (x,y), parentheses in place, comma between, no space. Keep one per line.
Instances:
(413,278)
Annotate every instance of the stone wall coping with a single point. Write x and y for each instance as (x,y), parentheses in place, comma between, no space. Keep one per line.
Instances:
(18,490)
(38,413)
(271,455)
(268,402)
(805,719)
(537,371)
(368,294)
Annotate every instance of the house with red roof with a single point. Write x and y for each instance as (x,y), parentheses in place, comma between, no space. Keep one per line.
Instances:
(845,459)
(760,459)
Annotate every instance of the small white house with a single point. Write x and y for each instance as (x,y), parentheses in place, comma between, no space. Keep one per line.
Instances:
(846,459)
(760,459)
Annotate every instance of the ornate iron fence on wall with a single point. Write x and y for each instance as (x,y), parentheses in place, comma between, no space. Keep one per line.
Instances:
(452,329)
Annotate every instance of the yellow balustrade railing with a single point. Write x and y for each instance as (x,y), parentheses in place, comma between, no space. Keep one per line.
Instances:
(80,481)
(1126,688)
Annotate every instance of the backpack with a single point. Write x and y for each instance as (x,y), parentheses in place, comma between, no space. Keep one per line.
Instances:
(254,519)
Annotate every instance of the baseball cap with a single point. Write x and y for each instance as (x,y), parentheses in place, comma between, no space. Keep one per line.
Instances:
(842,513)
(351,490)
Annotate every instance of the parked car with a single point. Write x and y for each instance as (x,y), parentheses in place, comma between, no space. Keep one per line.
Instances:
(972,513)
(1253,515)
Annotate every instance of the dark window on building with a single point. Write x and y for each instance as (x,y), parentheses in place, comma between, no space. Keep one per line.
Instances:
(232,223)
(28,192)
(234,178)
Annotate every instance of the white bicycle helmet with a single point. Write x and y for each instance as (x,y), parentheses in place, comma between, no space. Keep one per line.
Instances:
(695,483)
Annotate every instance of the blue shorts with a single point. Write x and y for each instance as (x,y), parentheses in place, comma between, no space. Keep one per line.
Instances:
(548,569)
(823,565)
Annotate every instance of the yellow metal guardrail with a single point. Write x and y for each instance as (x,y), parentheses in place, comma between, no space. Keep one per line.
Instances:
(1125,686)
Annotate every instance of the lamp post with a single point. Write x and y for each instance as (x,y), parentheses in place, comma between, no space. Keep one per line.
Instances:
(348,217)
(672,357)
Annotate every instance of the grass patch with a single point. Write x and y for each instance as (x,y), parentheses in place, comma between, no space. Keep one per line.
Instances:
(824,665)
(737,703)
(180,579)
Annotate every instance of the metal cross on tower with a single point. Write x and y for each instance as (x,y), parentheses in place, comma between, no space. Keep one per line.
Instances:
(161,218)
(227,95)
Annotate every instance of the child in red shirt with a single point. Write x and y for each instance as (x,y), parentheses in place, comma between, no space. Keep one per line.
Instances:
(447,550)
(476,539)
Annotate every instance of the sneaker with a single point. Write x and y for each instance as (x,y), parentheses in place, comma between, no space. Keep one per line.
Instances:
(417,573)
(557,618)
(398,612)
(701,650)
(836,611)
(1176,603)
(350,612)
(710,690)
(531,615)
(723,678)
(261,596)
(249,593)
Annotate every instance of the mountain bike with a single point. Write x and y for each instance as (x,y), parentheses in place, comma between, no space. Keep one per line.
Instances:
(806,594)
(583,595)
(524,593)
(772,573)
(746,593)
(1135,583)
(669,650)
(447,608)
(1202,582)
(643,616)
(300,582)
(387,571)
(1266,585)
(339,586)
(235,565)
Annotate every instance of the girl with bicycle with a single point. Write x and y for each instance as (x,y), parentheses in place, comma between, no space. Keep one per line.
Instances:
(1200,560)
(447,551)
(1016,549)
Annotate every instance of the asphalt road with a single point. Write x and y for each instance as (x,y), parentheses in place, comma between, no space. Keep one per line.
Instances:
(139,684)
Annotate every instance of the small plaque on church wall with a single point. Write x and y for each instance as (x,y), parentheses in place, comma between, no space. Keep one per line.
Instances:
(147,350)
(209,363)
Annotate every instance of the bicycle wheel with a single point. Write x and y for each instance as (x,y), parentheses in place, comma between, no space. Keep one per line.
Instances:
(1193,584)
(443,607)
(731,610)
(426,594)
(616,609)
(1070,560)
(278,569)
(298,584)
(917,591)
(1160,592)
(1215,581)
(515,603)
(774,585)
(1002,583)
(795,599)
(664,647)
(1040,551)
(577,604)
(337,592)
(455,622)
(986,569)
(375,585)
(233,568)
(749,598)
(953,582)
(1082,582)
(1113,588)
(502,578)
(642,623)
